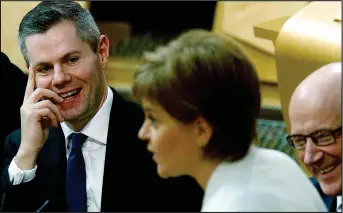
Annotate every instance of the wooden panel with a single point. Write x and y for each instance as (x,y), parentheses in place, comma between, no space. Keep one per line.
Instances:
(270,96)
(115,31)
(119,74)
(270,30)
(264,63)
(308,40)
(238,19)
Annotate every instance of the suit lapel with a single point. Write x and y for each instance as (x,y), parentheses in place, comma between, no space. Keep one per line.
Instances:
(52,168)
(53,151)
(122,148)
(114,150)
(330,202)
(109,178)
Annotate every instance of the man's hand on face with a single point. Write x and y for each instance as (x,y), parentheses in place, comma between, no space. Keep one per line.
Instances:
(38,112)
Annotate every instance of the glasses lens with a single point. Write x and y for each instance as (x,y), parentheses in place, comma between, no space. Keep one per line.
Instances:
(323,138)
(298,141)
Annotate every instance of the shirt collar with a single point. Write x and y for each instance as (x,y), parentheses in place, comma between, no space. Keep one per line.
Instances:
(339,201)
(97,127)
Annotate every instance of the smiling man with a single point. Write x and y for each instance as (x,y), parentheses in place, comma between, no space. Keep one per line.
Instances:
(77,149)
(316,130)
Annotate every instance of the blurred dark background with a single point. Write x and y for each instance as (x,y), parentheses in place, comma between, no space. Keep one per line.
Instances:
(156,17)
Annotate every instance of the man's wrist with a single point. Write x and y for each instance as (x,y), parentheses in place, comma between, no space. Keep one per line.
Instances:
(18,176)
(26,159)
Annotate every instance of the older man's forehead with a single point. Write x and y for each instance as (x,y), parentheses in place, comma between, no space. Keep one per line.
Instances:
(306,120)
(322,79)
(317,99)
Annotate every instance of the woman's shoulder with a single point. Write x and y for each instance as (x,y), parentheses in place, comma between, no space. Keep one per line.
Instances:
(250,199)
(274,158)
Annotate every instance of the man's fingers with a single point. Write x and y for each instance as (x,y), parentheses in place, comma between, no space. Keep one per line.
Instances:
(41,93)
(46,115)
(30,86)
(34,96)
(48,104)
(47,122)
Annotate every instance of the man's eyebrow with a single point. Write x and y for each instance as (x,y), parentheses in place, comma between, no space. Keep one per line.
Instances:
(40,64)
(70,53)
(62,58)
(315,131)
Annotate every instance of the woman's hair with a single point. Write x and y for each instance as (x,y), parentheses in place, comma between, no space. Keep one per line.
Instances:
(205,74)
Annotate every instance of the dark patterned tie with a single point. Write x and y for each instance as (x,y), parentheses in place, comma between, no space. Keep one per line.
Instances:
(76,176)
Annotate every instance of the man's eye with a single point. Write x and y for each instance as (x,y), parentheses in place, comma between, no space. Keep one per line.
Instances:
(73,60)
(324,139)
(299,140)
(43,69)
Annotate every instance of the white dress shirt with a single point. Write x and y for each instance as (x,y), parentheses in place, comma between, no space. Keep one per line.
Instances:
(339,204)
(264,180)
(93,149)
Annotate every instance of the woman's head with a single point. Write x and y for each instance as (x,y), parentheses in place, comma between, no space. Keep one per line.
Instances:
(203,78)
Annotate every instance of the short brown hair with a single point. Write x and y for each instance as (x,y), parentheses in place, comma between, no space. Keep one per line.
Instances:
(204,74)
(49,13)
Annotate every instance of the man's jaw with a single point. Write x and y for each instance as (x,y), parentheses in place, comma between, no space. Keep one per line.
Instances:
(326,170)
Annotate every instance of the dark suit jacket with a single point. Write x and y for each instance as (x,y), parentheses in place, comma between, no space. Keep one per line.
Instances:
(330,201)
(130,181)
(12,87)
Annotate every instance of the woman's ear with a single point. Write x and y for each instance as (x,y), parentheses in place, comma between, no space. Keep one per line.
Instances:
(203,131)
(104,47)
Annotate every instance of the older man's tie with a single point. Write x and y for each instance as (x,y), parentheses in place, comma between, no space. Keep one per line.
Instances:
(76,176)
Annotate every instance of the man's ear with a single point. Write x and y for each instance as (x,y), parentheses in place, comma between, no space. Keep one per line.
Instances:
(104,51)
(203,131)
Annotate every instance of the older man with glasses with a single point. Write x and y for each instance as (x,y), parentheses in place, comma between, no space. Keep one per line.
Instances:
(315,114)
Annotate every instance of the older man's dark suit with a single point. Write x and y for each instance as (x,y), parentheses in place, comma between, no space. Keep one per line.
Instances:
(130,181)
(330,201)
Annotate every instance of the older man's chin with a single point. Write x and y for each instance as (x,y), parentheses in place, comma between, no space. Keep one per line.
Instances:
(332,187)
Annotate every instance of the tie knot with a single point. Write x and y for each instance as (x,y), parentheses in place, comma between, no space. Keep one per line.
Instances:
(77,140)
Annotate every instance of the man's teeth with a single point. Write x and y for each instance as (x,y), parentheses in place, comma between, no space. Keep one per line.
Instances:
(67,94)
(327,169)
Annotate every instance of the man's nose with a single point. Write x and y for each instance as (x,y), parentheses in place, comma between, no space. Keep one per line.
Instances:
(60,76)
(312,154)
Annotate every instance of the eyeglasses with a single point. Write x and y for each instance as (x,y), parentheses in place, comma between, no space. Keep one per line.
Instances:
(320,138)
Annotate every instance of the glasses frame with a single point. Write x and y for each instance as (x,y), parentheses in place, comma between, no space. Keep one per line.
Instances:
(333,134)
